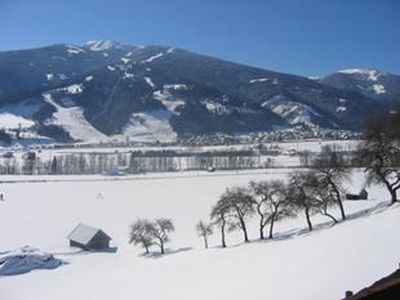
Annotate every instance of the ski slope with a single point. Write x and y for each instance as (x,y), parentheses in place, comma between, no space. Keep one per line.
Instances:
(297,265)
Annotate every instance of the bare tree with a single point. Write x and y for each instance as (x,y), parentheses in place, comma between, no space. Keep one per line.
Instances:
(271,203)
(204,230)
(159,230)
(140,234)
(300,195)
(380,153)
(219,215)
(332,170)
(240,206)
(323,197)
(305,157)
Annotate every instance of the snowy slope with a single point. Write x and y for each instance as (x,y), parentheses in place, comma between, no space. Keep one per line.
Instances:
(371,83)
(73,120)
(295,112)
(18,116)
(150,126)
(320,265)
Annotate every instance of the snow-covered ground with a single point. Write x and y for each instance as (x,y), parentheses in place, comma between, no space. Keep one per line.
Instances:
(73,120)
(318,265)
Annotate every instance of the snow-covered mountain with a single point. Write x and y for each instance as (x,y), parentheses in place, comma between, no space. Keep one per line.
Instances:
(371,83)
(105,90)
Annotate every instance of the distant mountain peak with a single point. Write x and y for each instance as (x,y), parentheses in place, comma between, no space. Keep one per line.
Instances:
(101,45)
(371,74)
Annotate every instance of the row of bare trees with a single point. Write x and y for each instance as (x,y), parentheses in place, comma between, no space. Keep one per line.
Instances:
(308,192)
(315,190)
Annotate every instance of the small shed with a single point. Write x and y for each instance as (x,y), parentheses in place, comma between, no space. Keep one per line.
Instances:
(362,195)
(89,238)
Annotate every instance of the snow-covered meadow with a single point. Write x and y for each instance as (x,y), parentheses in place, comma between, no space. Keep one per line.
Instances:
(297,265)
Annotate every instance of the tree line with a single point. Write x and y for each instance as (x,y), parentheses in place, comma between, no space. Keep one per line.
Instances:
(306,192)
(132,162)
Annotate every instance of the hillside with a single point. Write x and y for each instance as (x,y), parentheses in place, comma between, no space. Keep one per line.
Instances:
(297,265)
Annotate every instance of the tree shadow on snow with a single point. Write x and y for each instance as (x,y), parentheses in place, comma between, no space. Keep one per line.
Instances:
(156,255)
(79,251)
(304,231)
(296,232)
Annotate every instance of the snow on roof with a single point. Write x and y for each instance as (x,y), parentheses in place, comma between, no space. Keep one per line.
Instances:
(83,234)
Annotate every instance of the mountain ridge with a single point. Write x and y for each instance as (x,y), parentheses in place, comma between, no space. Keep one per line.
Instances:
(125,91)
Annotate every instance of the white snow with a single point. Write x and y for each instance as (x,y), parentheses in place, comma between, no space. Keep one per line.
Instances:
(74,89)
(128,75)
(259,80)
(125,60)
(274,81)
(170,50)
(378,89)
(152,58)
(26,259)
(101,45)
(169,101)
(16,116)
(372,75)
(50,76)
(176,87)
(294,112)
(74,122)
(111,68)
(341,109)
(150,126)
(89,78)
(74,50)
(149,82)
(216,107)
(62,76)
(342,100)
(11,121)
(297,265)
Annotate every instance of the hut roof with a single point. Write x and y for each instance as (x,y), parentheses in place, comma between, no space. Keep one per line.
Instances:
(83,234)
(386,283)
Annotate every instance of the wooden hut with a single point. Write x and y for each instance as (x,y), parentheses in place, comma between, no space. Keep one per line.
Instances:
(88,238)
(362,195)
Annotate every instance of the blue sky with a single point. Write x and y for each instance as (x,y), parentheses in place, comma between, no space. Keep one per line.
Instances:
(306,37)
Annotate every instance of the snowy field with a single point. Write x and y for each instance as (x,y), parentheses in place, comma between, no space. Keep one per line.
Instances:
(297,265)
